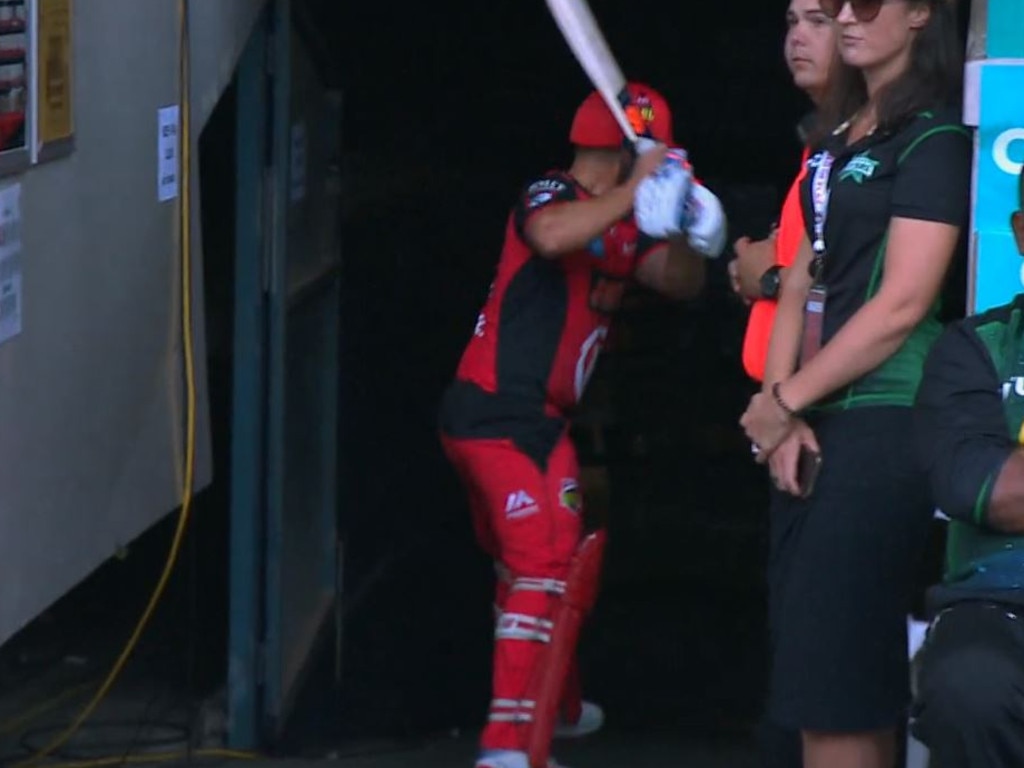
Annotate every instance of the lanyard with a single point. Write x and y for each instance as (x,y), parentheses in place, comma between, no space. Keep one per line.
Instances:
(820,193)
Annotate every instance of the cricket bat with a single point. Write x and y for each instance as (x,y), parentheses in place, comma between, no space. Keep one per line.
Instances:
(580,30)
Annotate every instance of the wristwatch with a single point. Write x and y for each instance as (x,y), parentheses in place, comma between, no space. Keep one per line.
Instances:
(770,282)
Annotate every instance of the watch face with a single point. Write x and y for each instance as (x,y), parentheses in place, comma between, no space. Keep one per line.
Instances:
(770,283)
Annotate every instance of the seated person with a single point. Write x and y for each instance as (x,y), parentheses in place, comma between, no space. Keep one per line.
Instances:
(969,708)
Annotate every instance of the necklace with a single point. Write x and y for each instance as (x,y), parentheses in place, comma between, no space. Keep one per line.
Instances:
(850,121)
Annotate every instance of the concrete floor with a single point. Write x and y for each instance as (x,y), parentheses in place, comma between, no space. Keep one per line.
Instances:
(609,750)
(134,712)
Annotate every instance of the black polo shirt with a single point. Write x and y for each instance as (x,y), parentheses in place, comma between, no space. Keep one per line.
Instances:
(968,422)
(919,171)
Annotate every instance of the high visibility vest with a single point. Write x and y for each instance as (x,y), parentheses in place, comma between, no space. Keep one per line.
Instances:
(787,243)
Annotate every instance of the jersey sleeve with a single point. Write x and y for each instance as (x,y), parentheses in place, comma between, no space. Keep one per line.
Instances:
(933,179)
(961,432)
(538,194)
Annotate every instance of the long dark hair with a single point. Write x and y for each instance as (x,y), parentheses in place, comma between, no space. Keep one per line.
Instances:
(933,78)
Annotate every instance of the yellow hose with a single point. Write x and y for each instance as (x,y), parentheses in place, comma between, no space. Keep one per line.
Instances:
(185,221)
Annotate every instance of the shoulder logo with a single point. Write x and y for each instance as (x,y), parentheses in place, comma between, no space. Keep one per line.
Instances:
(546,185)
(544,191)
(860,168)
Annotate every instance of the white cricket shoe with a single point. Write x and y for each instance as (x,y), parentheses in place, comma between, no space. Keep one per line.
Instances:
(591,720)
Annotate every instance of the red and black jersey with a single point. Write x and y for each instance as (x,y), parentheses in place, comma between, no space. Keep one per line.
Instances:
(542,328)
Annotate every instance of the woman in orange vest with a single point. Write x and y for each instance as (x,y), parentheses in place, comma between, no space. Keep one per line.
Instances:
(810,47)
(756,271)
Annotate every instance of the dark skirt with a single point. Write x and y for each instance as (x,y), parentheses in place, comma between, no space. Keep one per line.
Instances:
(842,571)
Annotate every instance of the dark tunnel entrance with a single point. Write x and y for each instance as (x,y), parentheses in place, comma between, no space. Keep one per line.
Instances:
(446,114)
(677,641)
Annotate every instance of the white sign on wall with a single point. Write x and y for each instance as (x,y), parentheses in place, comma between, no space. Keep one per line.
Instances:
(10,262)
(167,153)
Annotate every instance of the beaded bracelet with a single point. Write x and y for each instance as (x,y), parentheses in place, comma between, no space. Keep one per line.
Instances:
(779,401)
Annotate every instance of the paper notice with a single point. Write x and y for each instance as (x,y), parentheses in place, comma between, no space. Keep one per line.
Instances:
(10,262)
(167,154)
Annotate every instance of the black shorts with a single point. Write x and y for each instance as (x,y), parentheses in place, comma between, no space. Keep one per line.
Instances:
(970,678)
(842,570)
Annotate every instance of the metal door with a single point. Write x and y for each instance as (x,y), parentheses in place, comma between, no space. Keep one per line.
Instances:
(303,386)
(286,389)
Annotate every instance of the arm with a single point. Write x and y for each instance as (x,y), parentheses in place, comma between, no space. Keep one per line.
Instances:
(673,269)
(789,318)
(917,258)
(1005,509)
(555,230)
(753,259)
(975,471)
(566,227)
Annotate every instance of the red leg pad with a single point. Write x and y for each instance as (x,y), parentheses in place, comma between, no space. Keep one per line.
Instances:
(581,588)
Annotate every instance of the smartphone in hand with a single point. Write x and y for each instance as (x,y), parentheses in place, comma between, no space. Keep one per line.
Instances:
(808,467)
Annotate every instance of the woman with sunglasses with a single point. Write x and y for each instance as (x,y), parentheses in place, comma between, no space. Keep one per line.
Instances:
(885,201)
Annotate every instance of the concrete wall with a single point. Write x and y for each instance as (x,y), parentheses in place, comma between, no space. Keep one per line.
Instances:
(91,391)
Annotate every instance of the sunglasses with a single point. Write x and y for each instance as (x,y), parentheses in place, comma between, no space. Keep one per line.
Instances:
(863,10)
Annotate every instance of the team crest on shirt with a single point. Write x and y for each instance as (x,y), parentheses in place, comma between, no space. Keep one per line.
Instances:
(569,495)
(860,168)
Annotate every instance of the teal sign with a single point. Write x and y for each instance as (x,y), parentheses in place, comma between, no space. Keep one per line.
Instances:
(1005,32)
(998,275)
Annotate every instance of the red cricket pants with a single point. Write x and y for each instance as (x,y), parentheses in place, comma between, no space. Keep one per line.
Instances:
(529,520)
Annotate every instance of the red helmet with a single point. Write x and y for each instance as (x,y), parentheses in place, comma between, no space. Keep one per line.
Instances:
(594,126)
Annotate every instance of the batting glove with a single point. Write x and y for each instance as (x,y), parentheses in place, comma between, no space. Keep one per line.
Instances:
(659,203)
(706,226)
